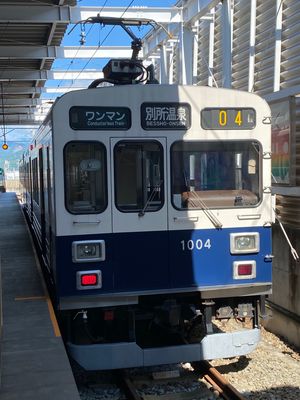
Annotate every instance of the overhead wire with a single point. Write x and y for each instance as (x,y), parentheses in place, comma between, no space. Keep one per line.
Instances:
(100,44)
(74,57)
(72,61)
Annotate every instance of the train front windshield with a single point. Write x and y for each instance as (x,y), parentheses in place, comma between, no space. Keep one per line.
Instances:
(215,174)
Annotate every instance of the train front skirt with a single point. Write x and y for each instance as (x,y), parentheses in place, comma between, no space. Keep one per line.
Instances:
(129,355)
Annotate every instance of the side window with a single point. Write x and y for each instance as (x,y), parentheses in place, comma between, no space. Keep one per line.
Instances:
(85,177)
(138,176)
(35,183)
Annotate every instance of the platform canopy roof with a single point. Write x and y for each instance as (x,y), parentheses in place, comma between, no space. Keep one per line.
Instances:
(250,45)
(29,33)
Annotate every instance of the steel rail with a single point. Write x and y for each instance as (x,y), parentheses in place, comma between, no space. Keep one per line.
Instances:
(127,385)
(218,382)
(209,373)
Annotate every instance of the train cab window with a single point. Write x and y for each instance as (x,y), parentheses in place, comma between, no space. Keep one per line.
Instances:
(215,174)
(138,176)
(85,177)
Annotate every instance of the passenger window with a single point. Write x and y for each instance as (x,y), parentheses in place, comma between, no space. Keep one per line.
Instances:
(138,176)
(85,177)
(35,181)
(215,174)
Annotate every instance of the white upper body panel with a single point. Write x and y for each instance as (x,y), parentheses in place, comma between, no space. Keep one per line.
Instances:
(167,217)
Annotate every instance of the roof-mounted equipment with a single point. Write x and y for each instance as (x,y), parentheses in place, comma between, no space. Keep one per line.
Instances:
(125,71)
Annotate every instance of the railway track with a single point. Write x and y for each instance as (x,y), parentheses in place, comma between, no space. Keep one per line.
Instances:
(272,371)
(218,382)
(216,386)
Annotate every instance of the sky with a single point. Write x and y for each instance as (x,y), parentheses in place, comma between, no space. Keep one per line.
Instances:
(107,35)
(95,35)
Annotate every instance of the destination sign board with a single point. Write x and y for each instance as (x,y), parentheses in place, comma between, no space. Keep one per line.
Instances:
(100,118)
(165,116)
(228,118)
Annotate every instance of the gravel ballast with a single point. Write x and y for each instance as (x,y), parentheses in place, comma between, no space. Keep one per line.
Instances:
(271,372)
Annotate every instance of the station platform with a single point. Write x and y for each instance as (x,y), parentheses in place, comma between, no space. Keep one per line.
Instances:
(34,364)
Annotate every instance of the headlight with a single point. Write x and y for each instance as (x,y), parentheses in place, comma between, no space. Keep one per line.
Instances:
(244,243)
(88,251)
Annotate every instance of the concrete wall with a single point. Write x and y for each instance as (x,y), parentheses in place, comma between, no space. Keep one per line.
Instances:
(286,287)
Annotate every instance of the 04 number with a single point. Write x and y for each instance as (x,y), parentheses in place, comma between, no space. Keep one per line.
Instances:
(223,118)
(195,244)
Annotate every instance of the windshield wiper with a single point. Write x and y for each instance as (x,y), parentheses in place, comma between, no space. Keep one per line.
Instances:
(207,211)
(150,198)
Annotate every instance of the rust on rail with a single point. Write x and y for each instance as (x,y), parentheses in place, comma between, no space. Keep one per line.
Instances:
(218,382)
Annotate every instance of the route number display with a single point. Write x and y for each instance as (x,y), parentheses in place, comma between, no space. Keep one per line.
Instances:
(228,118)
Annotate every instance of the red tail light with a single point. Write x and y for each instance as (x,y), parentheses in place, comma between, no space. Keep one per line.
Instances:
(244,269)
(109,315)
(89,279)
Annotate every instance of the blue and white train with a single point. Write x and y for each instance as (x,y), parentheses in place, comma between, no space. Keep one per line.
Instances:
(152,209)
(2,181)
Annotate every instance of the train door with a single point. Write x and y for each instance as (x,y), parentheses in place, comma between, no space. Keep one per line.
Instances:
(30,190)
(47,205)
(139,214)
(42,201)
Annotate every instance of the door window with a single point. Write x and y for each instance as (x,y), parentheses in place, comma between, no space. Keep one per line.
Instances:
(138,176)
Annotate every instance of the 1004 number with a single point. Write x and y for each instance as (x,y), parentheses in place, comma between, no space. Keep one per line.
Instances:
(198,244)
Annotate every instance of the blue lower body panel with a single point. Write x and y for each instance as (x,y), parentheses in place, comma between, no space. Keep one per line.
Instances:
(159,294)
(151,261)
